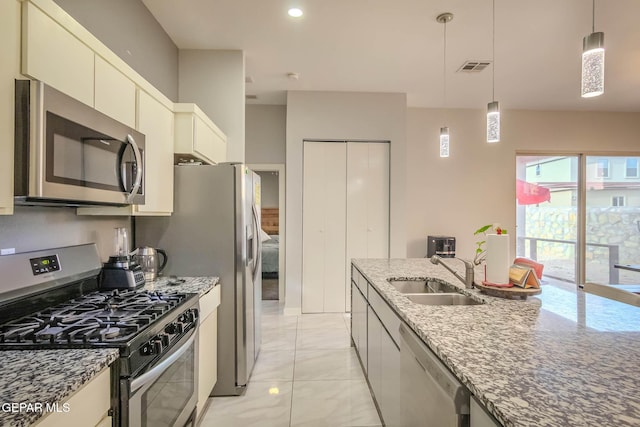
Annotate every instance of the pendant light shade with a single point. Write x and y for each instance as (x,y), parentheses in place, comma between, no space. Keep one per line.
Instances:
(444,142)
(493,122)
(593,60)
(593,65)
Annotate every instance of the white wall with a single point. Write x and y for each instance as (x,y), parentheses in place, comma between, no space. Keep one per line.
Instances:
(476,185)
(341,116)
(214,79)
(131,32)
(269,186)
(32,228)
(265,134)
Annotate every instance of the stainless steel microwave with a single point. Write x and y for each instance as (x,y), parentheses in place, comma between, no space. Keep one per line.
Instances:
(67,153)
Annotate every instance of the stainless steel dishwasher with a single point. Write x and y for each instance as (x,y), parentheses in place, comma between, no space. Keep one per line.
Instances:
(431,396)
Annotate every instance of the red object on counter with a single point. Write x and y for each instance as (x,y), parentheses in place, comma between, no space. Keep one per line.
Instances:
(497,285)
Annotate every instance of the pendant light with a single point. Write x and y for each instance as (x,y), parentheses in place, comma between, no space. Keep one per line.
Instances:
(593,61)
(493,108)
(444,18)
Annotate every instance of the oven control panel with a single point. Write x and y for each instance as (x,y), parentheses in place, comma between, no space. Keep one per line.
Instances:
(172,332)
(45,264)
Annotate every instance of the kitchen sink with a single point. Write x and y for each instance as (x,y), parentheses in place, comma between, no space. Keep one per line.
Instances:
(422,287)
(442,299)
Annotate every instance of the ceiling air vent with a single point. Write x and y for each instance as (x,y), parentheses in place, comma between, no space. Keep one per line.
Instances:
(474,66)
(251,96)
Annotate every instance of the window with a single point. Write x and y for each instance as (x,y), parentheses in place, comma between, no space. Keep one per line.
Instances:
(602,168)
(617,201)
(631,170)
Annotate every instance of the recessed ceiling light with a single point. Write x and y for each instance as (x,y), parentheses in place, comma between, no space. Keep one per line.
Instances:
(295,12)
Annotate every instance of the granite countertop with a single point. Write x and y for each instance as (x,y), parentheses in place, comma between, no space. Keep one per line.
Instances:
(564,357)
(45,376)
(191,285)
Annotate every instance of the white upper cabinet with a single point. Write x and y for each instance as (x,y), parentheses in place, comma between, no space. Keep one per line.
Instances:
(115,93)
(155,121)
(9,70)
(196,136)
(53,55)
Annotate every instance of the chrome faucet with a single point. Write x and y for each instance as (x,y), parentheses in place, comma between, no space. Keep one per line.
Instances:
(468,270)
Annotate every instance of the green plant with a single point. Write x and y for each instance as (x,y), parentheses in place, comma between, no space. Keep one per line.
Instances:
(481,252)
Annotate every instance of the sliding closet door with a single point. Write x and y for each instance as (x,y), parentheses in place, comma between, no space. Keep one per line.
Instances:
(324,227)
(367,203)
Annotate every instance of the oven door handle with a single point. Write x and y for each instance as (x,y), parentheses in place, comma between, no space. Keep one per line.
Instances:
(154,373)
(138,156)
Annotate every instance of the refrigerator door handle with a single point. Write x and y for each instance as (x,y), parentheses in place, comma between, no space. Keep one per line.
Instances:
(258,244)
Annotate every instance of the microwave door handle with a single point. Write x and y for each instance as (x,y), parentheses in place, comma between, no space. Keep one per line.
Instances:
(138,157)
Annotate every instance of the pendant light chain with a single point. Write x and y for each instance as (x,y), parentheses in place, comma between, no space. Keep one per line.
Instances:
(493,54)
(444,68)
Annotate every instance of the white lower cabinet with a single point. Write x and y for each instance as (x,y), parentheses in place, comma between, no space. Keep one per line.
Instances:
(359,324)
(372,321)
(208,347)
(384,369)
(480,417)
(88,407)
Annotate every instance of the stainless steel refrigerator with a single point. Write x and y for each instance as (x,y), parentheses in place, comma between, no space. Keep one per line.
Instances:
(215,231)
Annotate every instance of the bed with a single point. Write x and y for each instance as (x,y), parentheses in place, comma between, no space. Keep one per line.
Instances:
(270,256)
(270,248)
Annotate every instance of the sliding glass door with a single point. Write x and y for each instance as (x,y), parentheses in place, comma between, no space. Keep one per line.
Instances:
(547,209)
(612,219)
(579,215)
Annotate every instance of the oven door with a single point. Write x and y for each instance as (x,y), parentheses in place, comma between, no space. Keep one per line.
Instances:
(166,394)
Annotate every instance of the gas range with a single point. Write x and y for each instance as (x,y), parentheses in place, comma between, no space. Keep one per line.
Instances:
(59,304)
(96,319)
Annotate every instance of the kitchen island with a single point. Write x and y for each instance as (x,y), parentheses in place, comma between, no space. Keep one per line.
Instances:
(563,358)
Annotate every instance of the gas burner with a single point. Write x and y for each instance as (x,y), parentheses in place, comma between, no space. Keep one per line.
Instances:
(99,317)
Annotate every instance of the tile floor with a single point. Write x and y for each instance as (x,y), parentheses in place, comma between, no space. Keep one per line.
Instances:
(307,374)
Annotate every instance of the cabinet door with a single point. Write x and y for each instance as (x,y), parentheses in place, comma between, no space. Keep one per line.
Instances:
(88,406)
(51,54)
(115,94)
(480,417)
(359,326)
(377,187)
(389,396)
(324,227)
(367,200)
(9,70)
(374,362)
(155,121)
(207,359)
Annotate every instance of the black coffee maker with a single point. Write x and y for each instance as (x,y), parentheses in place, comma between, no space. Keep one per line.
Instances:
(443,246)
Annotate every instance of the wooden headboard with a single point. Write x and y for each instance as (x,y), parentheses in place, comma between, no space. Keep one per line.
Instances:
(270,221)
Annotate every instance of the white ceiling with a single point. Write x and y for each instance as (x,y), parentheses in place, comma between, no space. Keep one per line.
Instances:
(397,46)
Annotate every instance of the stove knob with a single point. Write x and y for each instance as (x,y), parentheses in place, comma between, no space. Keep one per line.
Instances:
(174,328)
(164,339)
(157,345)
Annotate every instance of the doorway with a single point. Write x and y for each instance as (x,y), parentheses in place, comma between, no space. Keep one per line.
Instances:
(273,225)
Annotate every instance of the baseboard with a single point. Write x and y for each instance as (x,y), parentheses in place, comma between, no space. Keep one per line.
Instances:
(294,311)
